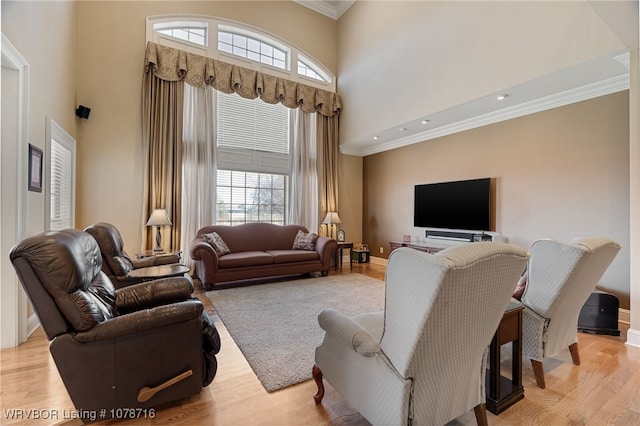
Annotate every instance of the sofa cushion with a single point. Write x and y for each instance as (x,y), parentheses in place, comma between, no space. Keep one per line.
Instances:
(286,256)
(305,240)
(217,243)
(245,258)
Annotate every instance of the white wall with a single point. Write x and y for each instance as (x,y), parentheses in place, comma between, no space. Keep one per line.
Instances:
(400,61)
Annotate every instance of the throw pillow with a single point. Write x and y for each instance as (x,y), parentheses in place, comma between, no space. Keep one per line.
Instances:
(217,243)
(520,287)
(305,241)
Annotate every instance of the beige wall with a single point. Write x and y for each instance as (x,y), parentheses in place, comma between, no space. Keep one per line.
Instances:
(561,173)
(45,35)
(110,59)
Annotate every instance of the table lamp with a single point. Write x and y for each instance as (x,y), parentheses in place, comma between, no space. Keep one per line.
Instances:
(331,219)
(158,218)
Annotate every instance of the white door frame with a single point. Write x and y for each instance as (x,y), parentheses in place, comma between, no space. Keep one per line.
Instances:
(13,303)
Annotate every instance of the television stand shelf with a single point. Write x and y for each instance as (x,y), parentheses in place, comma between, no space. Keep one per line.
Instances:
(425,248)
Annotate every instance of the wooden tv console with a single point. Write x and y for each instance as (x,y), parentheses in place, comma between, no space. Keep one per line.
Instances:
(427,249)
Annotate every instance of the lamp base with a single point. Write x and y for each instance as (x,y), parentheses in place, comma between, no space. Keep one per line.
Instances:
(158,241)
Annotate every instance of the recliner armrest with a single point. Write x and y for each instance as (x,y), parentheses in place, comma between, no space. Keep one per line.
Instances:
(153,293)
(143,320)
(348,331)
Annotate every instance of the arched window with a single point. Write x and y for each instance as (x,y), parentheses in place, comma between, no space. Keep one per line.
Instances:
(239,44)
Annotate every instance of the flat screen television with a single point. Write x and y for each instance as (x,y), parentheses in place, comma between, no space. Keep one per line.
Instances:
(464,205)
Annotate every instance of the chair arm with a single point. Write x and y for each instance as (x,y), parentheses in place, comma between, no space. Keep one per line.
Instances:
(325,247)
(162,259)
(139,321)
(153,293)
(348,331)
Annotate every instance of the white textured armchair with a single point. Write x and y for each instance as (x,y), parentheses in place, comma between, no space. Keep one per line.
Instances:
(561,278)
(422,360)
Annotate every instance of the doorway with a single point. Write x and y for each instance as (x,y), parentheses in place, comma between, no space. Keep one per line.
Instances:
(13,145)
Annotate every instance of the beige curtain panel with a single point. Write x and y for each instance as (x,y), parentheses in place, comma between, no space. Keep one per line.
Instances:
(171,64)
(166,70)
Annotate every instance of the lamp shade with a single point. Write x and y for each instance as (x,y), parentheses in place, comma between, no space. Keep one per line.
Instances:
(331,218)
(158,217)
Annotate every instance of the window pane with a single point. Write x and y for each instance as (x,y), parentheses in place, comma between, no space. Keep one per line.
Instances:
(251,48)
(258,203)
(253,45)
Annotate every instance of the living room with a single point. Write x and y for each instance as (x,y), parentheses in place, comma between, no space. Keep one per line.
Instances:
(560,173)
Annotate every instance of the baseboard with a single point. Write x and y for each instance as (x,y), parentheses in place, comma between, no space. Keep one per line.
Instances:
(624,317)
(378,260)
(633,338)
(32,324)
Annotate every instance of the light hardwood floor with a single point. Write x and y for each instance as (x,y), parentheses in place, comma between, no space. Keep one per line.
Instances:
(605,389)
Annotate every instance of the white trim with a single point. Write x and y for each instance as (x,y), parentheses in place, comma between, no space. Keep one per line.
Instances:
(53,131)
(327,9)
(13,303)
(589,91)
(32,324)
(633,338)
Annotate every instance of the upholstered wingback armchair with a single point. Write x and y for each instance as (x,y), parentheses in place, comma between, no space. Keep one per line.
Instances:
(116,263)
(561,276)
(422,360)
(135,347)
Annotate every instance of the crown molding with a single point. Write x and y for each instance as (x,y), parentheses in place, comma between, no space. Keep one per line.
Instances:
(589,91)
(325,8)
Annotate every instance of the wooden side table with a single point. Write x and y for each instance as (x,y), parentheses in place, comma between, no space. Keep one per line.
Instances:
(152,253)
(160,271)
(338,254)
(502,393)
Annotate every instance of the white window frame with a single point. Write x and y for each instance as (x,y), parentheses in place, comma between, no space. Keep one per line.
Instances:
(211,48)
(55,132)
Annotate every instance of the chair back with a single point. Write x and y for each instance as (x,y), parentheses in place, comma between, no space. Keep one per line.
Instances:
(115,261)
(441,312)
(561,278)
(60,272)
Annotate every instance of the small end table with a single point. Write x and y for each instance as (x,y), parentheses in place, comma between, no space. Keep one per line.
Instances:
(338,254)
(160,271)
(153,253)
(502,393)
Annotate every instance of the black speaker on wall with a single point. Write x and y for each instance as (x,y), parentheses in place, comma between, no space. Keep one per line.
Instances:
(83,111)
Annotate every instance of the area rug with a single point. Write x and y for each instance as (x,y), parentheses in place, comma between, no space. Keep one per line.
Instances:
(275,325)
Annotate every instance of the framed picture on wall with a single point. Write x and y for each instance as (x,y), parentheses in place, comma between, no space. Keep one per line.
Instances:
(35,169)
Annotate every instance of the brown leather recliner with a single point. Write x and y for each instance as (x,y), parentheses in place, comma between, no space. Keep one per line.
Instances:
(116,263)
(134,347)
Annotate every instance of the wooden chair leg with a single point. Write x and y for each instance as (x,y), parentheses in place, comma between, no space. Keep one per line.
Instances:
(481,414)
(317,377)
(538,371)
(575,354)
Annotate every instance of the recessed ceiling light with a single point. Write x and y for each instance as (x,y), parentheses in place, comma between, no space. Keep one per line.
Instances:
(425,121)
(502,97)
(375,138)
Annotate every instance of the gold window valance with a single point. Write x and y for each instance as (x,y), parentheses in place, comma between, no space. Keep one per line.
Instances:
(167,63)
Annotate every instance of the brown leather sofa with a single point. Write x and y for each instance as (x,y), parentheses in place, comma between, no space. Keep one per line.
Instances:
(136,347)
(116,263)
(257,250)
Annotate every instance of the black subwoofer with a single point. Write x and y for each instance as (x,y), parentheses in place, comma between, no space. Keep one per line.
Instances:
(599,314)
